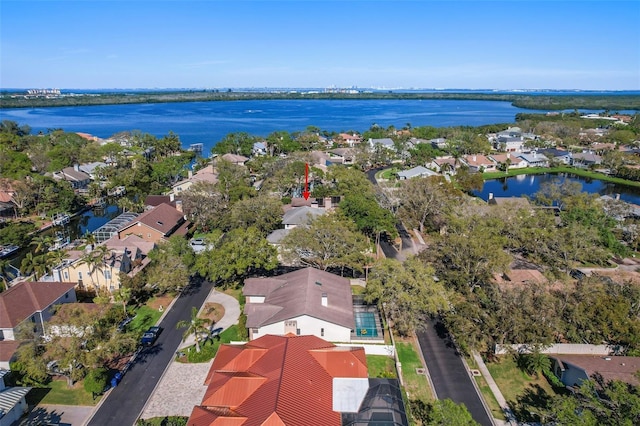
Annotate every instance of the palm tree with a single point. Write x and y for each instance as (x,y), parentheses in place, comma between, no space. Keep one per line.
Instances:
(42,243)
(35,265)
(4,263)
(123,295)
(195,326)
(56,258)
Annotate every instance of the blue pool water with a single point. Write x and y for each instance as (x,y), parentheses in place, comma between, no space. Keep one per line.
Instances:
(366,324)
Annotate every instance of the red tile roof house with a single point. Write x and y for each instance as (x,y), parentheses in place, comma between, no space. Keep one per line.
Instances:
(283,380)
(306,301)
(479,163)
(157,224)
(29,302)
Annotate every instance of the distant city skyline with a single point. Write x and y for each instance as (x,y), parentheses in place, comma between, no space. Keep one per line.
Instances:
(501,45)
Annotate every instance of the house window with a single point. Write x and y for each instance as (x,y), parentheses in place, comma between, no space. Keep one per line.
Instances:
(33,318)
(298,331)
(148,235)
(66,296)
(254,330)
(322,332)
(111,288)
(107,274)
(66,275)
(79,276)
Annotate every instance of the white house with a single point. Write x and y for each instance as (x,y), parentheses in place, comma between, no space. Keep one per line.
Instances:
(384,142)
(13,403)
(418,171)
(303,302)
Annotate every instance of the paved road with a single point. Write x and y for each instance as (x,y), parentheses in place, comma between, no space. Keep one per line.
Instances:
(448,374)
(125,403)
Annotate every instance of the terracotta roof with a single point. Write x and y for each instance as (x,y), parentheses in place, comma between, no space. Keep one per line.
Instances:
(162,218)
(26,298)
(277,380)
(300,293)
(623,368)
(477,160)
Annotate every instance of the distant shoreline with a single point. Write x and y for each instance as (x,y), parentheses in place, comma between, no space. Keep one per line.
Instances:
(582,100)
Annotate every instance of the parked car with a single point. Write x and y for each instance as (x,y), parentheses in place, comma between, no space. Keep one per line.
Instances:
(150,336)
(123,324)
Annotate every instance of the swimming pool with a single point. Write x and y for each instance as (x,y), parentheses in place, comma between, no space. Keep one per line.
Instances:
(366,324)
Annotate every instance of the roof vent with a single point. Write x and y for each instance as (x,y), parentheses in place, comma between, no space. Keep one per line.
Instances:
(607,358)
(160,223)
(318,283)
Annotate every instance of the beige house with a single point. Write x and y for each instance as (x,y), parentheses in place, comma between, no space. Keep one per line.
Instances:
(127,256)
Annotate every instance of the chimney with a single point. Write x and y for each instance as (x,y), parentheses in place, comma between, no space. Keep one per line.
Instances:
(491,195)
(76,167)
(172,197)
(474,158)
(617,196)
(327,203)
(179,205)
(325,302)
(190,174)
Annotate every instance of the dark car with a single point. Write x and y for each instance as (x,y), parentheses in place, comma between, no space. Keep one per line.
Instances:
(150,336)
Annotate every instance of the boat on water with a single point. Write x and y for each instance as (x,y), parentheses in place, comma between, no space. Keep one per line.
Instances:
(8,250)
(60,219)
(60,241)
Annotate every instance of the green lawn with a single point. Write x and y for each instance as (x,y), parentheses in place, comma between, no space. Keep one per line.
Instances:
(487,394)
(416,385)
(381,366)
(209,349)
(58,393)
(145,318)
(514,383)
(389,173)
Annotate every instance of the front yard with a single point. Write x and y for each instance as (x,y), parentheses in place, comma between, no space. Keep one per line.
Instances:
(58,393)
(415,384)
(521,390)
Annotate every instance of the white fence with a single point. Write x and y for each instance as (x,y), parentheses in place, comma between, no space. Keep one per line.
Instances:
(562,348)
(386,350)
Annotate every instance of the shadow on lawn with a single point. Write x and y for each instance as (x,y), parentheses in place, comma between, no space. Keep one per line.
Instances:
(534,400)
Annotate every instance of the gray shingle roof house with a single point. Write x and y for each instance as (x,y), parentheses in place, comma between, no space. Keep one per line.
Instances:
(418,171)
(306,301)
(385,142)
(535,159)
(301,216)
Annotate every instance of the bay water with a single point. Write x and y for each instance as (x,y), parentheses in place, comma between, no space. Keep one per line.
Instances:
(210,122)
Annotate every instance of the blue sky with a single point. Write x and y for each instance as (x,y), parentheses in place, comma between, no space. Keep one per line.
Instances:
(591,45)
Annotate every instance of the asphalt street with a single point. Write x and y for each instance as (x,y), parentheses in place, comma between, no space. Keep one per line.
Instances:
(448,373)
(125,403)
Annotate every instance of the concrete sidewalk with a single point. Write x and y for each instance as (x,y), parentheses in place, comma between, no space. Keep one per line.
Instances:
(511,419)
(231,313)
